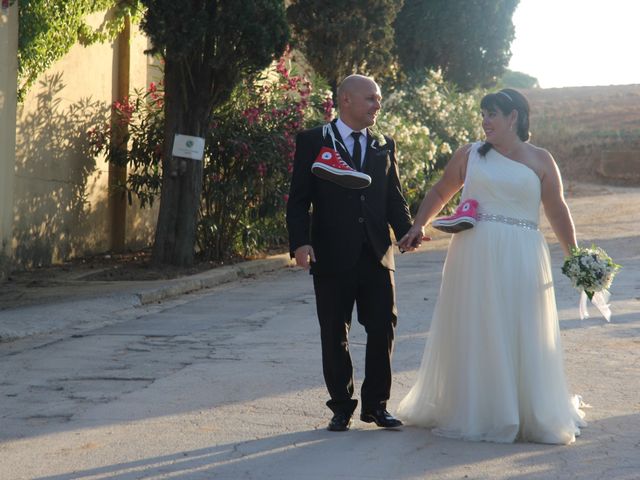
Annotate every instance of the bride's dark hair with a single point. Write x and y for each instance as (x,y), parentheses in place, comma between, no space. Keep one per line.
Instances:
(507,100)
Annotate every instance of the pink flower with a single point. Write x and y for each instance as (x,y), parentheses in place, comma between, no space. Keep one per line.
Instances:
(262,169)
(281,68)
(285,197)
(124,110)
(306,91)
(327,105)
(252,115)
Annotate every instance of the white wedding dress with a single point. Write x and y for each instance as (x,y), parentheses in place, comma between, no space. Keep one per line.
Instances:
(492,368)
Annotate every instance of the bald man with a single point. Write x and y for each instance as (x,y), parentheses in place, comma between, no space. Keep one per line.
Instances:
(342,236)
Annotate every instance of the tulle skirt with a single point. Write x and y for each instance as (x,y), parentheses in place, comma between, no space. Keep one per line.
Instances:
(492,368)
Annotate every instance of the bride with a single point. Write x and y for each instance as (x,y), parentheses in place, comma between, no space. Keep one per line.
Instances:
(492,368)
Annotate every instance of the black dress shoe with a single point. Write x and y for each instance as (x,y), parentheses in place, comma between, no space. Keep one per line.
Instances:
(340,422)
(381,418)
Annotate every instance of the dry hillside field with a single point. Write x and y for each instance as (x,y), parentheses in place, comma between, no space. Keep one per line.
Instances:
(580,125)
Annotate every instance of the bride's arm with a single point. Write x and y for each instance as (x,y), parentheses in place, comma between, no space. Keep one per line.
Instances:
(437,197)
(555,207)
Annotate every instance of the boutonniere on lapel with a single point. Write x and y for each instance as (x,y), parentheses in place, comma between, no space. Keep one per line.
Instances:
(329,165)
(378,142)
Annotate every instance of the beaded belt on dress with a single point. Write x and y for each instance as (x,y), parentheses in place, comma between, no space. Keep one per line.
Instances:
(519,222)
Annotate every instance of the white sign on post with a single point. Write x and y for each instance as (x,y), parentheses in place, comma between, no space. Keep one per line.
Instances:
(186,146)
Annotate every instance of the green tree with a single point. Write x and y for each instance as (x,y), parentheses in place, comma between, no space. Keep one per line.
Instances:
(207,47)
(469,40)
(340,38)
(513,79)
(49,28)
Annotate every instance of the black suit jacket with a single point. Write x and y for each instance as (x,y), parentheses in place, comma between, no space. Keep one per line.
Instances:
(335,220)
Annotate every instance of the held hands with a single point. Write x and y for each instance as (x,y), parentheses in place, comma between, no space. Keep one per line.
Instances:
(304,254)
(412,240)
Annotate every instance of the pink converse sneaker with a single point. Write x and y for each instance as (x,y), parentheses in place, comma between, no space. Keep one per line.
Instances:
(464,218)
(330,166)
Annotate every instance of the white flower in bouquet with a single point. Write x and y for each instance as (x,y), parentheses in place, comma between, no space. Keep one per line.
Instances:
(590,269)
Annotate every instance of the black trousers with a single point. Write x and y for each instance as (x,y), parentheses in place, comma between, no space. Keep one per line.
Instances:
(371,287)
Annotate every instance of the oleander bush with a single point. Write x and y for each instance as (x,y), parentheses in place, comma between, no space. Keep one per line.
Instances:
(248,155)
(250,159)
(429,120)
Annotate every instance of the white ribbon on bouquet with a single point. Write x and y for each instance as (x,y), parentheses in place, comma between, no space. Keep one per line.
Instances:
(600,301)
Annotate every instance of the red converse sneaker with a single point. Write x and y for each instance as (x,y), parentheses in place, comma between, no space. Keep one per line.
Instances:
(464,218)
(330,166)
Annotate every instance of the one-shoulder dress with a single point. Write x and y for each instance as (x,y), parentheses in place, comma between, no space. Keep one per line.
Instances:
(492,368)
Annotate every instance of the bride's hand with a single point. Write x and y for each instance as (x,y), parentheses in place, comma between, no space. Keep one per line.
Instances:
(412,240)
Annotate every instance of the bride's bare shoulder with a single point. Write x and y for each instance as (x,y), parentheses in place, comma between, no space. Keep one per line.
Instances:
(543,160)
(539,153)
(541,156)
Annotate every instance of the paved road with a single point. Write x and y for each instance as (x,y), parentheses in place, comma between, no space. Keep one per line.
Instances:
(226,383)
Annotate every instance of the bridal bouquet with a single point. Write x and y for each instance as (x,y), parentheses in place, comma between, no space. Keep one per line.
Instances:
(591,270)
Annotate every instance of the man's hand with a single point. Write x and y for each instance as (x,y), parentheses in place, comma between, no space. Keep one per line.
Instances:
(304,254)
(412,240)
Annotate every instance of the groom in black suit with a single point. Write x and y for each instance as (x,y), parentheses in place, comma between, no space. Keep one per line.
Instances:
(342,236)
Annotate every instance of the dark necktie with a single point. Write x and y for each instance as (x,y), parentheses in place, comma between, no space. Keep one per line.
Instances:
(357,150)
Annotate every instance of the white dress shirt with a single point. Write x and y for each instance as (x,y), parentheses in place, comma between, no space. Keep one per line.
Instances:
(345,132)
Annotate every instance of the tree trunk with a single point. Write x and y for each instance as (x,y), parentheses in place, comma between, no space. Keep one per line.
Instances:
(181,177)
(118,173)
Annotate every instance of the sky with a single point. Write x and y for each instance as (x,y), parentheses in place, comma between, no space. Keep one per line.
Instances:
(567,43)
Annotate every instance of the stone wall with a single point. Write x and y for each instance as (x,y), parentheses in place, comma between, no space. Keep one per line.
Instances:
(9,63)
(620,165)
(60,206)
